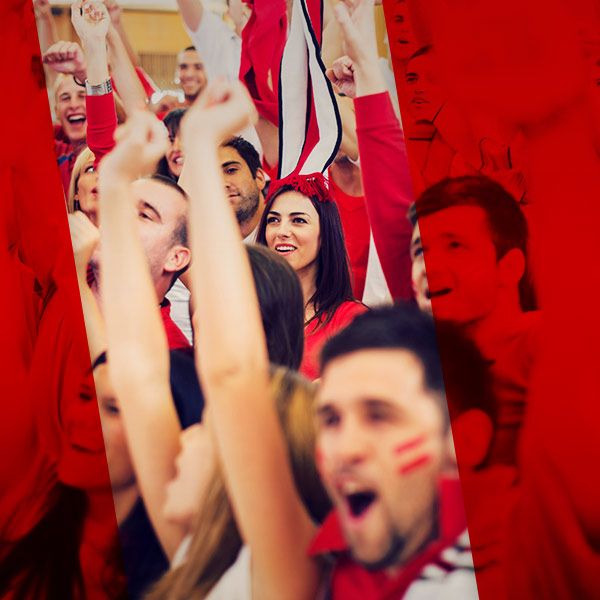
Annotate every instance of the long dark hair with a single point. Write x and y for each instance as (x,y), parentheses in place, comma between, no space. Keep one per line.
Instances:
(281,306)
(333,285)
(172,122)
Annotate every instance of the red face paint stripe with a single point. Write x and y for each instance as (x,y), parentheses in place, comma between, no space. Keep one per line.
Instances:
(413,443)
(421,461)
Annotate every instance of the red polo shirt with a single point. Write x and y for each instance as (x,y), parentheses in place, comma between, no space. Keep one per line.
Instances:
(351,581)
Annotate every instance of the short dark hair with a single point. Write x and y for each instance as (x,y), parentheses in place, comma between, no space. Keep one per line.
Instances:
(190,48)
(505,219)
(246,150)
(333,285)
(453,367)
(401,327)
(281,306)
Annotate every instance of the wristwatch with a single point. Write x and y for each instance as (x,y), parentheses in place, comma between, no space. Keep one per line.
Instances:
(99,89)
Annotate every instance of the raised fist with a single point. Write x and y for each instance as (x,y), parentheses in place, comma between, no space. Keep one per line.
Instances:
(66,57)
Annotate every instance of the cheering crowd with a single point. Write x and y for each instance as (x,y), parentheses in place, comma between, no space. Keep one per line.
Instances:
(258,266)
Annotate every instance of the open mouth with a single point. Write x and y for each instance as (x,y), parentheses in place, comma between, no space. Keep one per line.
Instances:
(76,119)
(284,248)
(437,293)
(177,160)
(360,502)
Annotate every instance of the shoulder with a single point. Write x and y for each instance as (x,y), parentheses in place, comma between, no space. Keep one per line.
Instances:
(348,311)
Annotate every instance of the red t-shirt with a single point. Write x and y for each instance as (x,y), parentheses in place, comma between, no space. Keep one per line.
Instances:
(315,336)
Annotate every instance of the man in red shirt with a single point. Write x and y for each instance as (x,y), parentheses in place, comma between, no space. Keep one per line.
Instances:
(472,236)
(398,526)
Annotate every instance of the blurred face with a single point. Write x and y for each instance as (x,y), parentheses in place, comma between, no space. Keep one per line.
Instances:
(174,155)
(194,467)
(161,210)
(190,73)
(87,191)
(400,35)
(293,230)
(243,190)
(425,96)
(82,462)
(463,277)
(381,445)
(70,109)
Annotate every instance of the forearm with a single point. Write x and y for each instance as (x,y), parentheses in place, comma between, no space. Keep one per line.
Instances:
(47,31)
(124,38)
(96,59)
(126,80)
(94,323)
(191,12)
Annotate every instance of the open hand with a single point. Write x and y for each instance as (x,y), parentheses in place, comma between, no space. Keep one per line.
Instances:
(91,21)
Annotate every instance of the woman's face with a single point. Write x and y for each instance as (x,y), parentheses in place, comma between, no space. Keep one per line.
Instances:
(87,191)
(174,155)
(293,230)
(194,468)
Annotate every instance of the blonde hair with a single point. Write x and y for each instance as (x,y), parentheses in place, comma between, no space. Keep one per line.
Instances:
(216,540)
(85,156)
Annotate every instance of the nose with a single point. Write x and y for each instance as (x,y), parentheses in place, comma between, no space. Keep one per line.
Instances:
(352,445)
(176,143)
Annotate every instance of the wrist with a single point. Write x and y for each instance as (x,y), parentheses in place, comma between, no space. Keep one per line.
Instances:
(94,45)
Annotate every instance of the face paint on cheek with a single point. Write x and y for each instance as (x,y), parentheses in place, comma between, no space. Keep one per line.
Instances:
(409,444)
(414,465)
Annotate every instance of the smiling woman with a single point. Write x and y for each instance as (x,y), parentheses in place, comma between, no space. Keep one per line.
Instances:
(302,224)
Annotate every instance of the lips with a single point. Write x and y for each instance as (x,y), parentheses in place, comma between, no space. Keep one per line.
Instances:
(359,503)
(76,119)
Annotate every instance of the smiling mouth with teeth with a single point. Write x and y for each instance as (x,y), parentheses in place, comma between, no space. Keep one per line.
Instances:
(360,502)
(76,119)
(283,248)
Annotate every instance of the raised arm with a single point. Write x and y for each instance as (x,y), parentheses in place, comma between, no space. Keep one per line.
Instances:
(115,11)
(137,347)
(233,364)
(384,162)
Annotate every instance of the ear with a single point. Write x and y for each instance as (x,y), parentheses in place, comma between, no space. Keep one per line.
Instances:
(179,258)
(471,435)
(512,267)
(260,179)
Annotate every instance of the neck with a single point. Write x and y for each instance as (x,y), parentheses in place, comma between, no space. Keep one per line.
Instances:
(124,500)
(251,224)
(501,323)
(347,177)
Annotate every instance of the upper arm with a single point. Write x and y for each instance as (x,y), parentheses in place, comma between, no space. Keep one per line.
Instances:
(191,12)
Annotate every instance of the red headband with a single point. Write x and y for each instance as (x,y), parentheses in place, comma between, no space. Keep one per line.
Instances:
(314,185)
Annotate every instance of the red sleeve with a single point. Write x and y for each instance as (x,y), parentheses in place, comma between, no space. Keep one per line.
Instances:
(102,123)
(388,188)
(149,86)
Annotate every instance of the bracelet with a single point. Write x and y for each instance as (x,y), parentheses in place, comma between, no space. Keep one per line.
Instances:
(79,83)
(99,89)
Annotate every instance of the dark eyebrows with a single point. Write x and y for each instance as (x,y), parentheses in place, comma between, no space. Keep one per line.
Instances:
(229,163)
(146,205)
(324,409)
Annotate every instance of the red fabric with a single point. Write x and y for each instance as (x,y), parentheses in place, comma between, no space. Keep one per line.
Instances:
(351,581)
(102,123)
(175,337)
(388,188)
(147,83)
(263,40)
(66,155)
(357,234)
(315,336)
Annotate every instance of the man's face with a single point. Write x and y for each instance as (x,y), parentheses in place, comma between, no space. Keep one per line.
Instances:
(70,109)
(424,95)
(191,73)
(400,34)
(161,210)
(243,190)
(381,444)
(463,274)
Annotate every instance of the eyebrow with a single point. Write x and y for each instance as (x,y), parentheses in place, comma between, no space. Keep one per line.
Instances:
(231,162)
(151,208)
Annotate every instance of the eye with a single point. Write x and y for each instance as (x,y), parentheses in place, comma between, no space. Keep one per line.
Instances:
(271,220)
(111,408)
(230,170)
(300,220)
(377,414)
(145,215)
(455,245)
(411,79)
(329,419)
(90,169)
(418,251)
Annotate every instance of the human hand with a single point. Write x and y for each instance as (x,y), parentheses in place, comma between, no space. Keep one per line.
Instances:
(220,112)
(66,57)
(91,21)
(114,11)
(85,237)
(341,75)
(42,9)
(140,143)
(356,19)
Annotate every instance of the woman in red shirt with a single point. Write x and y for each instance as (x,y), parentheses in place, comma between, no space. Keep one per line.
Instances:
(302,223)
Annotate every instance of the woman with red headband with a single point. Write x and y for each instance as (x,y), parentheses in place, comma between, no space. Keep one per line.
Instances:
(302,223)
